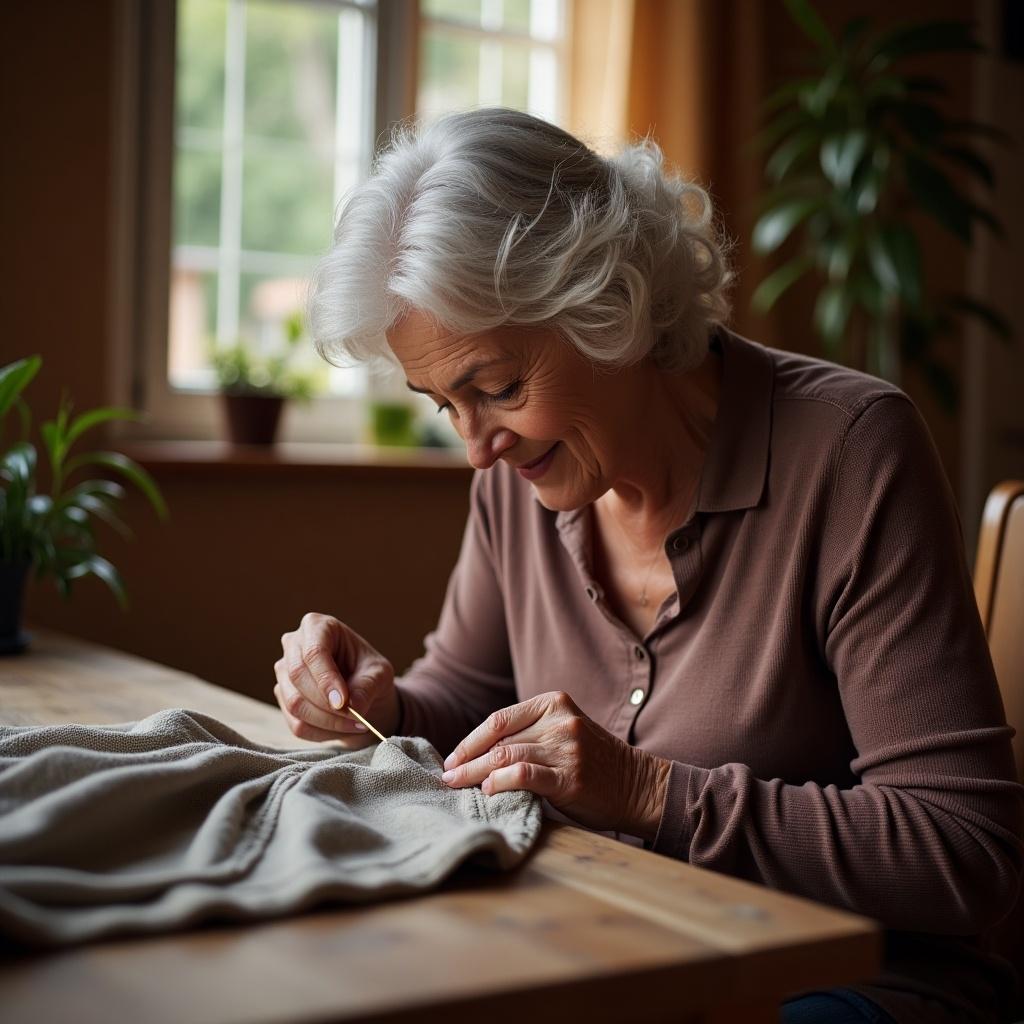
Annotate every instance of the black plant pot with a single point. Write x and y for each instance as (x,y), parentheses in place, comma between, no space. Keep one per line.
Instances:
(252,419)
(13,639)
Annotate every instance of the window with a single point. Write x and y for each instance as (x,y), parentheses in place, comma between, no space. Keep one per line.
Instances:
(492,53)
(247,122)
(272,118)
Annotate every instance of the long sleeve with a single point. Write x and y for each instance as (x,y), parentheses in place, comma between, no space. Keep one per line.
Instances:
(929,838)
(466,671)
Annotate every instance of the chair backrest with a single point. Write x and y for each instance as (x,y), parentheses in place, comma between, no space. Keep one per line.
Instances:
(999,589)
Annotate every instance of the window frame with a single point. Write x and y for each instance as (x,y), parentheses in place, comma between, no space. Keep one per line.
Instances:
(142,164)
(140,258)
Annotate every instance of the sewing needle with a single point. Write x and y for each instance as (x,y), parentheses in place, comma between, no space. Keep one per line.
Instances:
(367,724)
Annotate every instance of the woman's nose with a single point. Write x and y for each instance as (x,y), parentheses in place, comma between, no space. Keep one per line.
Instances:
(485,449)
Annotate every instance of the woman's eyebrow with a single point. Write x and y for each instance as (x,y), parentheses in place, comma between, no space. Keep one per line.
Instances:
(462,381)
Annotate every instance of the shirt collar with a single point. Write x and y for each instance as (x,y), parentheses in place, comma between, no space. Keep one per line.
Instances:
(736,462)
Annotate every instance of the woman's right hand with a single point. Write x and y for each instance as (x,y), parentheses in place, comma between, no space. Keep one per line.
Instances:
(325,667)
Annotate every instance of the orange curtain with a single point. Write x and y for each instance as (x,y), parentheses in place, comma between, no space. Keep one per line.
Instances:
(690,73)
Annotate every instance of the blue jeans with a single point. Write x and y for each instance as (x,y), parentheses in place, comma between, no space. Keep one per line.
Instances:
(836,1006)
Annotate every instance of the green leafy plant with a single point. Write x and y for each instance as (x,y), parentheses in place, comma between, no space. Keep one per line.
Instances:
(240,371)
(55,531)
(856,149)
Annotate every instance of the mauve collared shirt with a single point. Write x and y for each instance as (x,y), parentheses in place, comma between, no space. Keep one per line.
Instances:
(820,679)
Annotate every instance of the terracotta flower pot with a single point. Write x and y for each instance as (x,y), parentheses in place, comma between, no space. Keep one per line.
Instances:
(253,419)
(13,638)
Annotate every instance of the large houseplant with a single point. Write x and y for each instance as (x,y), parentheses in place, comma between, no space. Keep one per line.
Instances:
(255,387)
(858,150)
(53,532)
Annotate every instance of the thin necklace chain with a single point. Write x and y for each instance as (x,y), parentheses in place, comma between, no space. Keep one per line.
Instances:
(650,569)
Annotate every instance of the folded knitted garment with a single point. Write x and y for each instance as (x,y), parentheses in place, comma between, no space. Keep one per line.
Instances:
(154,825)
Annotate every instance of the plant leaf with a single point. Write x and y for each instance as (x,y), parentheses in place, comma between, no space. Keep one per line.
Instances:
(840,155)
(789,153)
(88,420)
(814,28)
(19,463)
(777,282)
(987,131)
(98,566)
(993,319)
(925,37)
(905,252)
(831,313)
(14,378)
(968,158)
(122,464)
(101,510)
(938,197)
(775,226)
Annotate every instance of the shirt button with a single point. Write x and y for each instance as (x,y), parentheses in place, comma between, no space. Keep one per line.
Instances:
(637,696)
(640,653)
(680,543)
(592,593)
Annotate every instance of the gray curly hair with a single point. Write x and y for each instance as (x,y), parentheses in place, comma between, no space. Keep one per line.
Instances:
(493,217)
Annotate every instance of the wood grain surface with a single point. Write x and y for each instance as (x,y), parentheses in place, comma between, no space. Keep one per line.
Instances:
(587,926)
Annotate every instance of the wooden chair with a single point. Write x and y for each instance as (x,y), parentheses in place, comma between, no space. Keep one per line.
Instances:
(999,589)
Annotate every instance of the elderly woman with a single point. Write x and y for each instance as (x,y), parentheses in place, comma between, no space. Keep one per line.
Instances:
(712,597)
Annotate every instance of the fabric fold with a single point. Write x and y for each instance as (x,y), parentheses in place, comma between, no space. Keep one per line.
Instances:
(159,824)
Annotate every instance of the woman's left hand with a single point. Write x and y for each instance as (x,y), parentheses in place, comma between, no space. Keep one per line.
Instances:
(549,746)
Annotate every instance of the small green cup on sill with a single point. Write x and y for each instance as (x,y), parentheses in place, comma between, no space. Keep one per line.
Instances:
(393,424)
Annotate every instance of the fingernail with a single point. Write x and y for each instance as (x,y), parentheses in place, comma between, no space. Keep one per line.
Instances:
(449,760)
(335,698)
(360,727)
(448,776)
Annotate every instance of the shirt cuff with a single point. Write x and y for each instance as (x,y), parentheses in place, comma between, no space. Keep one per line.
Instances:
(680,815)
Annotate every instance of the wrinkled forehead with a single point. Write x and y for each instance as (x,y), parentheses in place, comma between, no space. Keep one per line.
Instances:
(426,348)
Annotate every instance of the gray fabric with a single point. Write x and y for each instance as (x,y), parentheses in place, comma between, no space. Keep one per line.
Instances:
(153,825)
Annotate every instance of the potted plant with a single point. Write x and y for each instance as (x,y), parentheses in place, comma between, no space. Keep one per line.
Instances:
(53,532)
(255,387)
(857,148)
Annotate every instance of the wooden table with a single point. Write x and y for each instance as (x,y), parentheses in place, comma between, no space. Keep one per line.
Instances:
(587,927)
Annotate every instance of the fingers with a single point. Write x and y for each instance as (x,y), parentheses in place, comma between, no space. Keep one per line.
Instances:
(324,670)
(306,731)
(498,758)
(499,723)
(536,778)
(297,707)
(313,659)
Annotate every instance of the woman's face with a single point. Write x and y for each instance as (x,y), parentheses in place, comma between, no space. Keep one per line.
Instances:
(525,396)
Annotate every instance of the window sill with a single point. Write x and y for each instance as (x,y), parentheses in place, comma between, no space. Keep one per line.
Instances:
(296,458)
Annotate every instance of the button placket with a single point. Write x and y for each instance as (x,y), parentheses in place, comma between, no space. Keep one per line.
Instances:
(641,677)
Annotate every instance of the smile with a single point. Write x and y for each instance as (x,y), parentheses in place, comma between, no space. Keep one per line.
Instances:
(537,468)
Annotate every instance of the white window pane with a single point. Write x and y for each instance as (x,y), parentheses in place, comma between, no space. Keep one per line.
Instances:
(515,84)
(199,72)
(273,124)
(545,19)
(458,10)
(516,15)
(543,84)
(449,73)
(287,199)
(197,188)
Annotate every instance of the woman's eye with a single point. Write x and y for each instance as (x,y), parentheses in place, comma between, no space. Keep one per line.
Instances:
(443,407)
(506,394)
